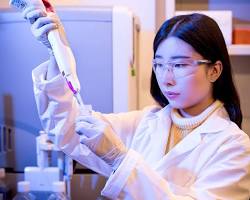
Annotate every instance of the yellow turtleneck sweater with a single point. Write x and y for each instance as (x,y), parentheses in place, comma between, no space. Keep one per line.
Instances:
(182,124)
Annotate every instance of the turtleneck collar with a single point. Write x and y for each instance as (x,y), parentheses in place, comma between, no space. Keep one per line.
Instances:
(190,122)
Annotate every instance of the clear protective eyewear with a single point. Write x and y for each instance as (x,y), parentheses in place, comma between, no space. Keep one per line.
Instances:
(178,68)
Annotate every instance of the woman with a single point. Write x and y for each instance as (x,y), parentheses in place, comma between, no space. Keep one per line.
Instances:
(189,147)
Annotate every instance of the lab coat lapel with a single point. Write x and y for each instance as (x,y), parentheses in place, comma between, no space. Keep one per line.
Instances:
(190,142)
(152,136)
(215,123)
(161,133)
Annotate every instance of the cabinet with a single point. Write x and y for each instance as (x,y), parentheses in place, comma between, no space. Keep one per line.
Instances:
(235,49)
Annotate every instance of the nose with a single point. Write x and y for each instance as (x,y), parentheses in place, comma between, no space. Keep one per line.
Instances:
(168,77)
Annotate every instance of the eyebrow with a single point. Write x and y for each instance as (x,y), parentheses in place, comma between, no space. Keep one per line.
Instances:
(173,57)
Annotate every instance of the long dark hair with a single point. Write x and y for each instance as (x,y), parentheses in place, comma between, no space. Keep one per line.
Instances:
(204,35)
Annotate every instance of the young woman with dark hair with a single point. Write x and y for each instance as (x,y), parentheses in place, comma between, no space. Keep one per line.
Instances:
(204,35)
(189,147)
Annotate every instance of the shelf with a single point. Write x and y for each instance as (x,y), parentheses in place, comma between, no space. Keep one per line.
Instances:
(239,50)
(233,50)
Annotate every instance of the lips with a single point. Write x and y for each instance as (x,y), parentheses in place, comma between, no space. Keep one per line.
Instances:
(171,95)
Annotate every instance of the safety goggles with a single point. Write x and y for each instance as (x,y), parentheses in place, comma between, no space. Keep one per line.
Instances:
(179,68)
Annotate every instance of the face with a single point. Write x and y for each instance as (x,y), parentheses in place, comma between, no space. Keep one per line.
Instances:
(191,92)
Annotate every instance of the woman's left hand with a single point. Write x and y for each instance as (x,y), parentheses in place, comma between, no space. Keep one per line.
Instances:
(100,138)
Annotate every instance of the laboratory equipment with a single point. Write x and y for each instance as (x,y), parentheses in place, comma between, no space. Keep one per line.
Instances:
(44,174)
(58,191)
(23,191)
(60,47)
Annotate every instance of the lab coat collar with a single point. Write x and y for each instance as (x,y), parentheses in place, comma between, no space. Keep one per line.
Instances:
(217,122)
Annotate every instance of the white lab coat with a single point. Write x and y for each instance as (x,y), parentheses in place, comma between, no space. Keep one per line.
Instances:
(212,162)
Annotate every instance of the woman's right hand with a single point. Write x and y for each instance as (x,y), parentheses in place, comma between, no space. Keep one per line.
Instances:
(41,24)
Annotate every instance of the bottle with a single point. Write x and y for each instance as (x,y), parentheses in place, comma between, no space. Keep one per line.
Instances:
(4,189)
(23,191)
(58,191)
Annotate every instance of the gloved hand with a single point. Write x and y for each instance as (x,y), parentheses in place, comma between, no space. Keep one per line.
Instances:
(100,138)
(42,23)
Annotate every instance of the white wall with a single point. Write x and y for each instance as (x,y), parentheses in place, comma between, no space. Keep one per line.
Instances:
(145,10)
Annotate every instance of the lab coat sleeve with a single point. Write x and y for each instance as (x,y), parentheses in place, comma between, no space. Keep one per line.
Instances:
(57,110)
(225,176)
(55,104)
(227,173)
(135,179)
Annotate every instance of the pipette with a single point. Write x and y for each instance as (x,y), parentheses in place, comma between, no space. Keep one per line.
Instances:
(62,51)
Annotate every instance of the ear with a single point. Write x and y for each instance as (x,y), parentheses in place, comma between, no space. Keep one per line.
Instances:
(214,71)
